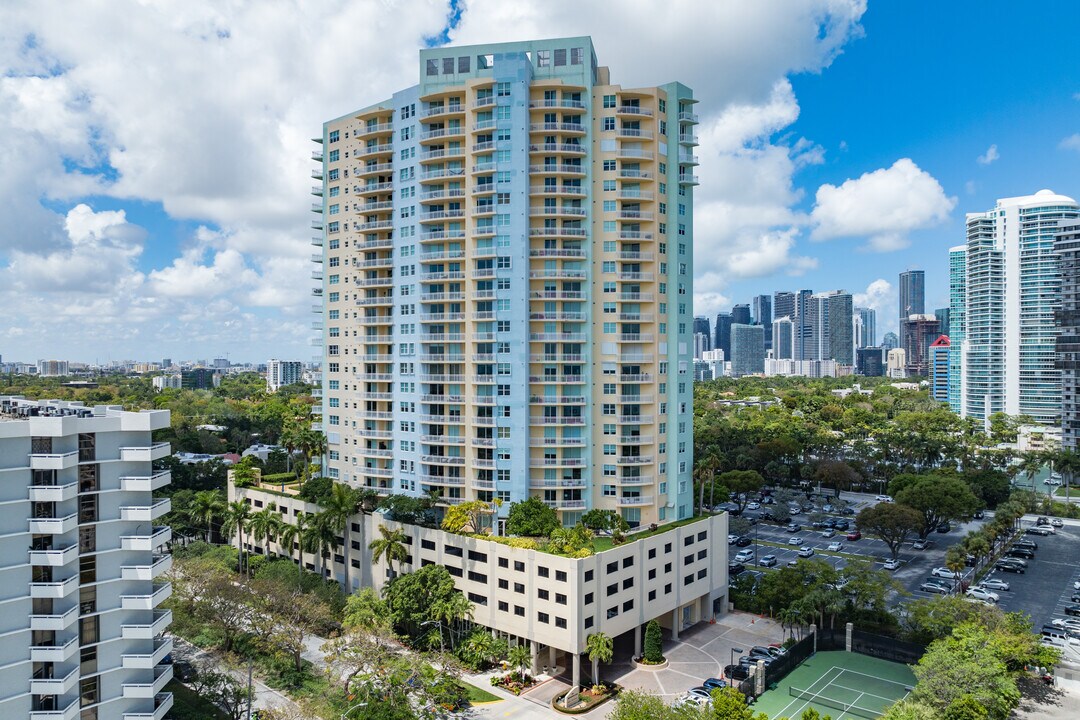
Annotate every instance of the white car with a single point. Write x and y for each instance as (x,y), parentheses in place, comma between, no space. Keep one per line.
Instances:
(744,556)
(806,551)
(994,584)
(982,594)
(1069,624)
(835,546)
(794,541)
(883,498)
(920,544)
(892,564)
(944,573)
(731,539)
(753,506)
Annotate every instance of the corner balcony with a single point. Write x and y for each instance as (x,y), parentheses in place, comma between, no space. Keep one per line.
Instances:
(147,631)
(60,621)
(54,493)
(146,513)
(55,685)
(161,592)
(54,526)
(159,536)
(54,558)
(68,712)
(162,675)
(56,590)
(145,483)
(54,461)
(162,647)
(565,504)
(56,651)
(160,565)
(157,451)
(163,703)
(635,501)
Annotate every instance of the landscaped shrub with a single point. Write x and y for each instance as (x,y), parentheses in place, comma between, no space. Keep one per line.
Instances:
(654,644)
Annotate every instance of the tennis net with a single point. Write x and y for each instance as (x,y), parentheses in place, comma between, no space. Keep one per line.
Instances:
(850,708)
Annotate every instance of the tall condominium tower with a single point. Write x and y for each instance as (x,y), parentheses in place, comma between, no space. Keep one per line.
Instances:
(280,373)
(740,315)
(762,315)
(81,581)
(890,341)
(1012,286)
(1068,338)
(912,291)
(957,315)
(802,326)
(701,325)
(783,304)
(722,333)
(783,338)
(865,327)
(508,254)
(747,349)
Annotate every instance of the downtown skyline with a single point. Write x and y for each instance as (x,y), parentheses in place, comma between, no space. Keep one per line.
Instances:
(138,237)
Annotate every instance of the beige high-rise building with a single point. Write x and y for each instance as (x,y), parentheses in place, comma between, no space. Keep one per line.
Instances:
(506,285)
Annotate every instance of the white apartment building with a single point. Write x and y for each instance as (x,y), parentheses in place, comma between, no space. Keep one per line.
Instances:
(1007,291)
(163,382)
(896,364)
(52,368)
(82,635)
(677,577)
(280,373)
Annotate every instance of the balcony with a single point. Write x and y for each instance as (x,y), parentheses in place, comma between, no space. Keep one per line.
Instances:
(554,103)
(556,462)
(54,558)
(70,712)
(160,536)
(163,702)
(54,526)
(146,513)
(636,500)
(688,117)
(57,651)
(634,460)
(374,169)
(565,504)
(157,451)
(317,174)
(162,647)
(317,241)
(317,155)
(687,179)
(688,139)
(633,110)
(557,190)
(373,129)
(442,132)
(54,493)
(159,566)
(634,133)
(54,461)
(148,483)
(556,442)
(55,622)
(574,128)
(554,169)
(317,190)
(635,419)
(375,150)
(558,148)
(147,631)
(685,159)
(54,686)
(55,590)
(162,591)
(162,675)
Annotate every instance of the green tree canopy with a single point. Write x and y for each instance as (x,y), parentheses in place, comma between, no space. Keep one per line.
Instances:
(892,523)
(531,518)
(937,498)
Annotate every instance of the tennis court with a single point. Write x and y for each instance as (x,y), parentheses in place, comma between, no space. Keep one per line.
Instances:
(845,685)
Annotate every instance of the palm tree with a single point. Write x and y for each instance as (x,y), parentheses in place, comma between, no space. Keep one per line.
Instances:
(343,503)
(452,611)
(264,525)
(391,546)
(1067,463)
(237,516)
(520,657)
(600,649)
(706,470)
(291,533)
(206,506)
(291,438)
(321,538)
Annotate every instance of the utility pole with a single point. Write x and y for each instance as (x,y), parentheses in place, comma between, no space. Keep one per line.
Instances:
(250,697)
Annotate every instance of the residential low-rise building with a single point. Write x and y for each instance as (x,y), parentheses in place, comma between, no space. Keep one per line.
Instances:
(677,576)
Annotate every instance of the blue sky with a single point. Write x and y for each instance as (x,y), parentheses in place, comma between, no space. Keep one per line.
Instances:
(155,170)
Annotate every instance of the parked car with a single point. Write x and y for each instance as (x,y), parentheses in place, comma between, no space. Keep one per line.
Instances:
(920,544)
(841,524)
(830,533)
(982,594)
(806,551)
(744,556)
(1026,542)
(835,546)
(1068,624)
(767,561)
(892,564)
(969,560)
(1042,521)
(766,651)
(794,541)
(1043,530)
(713,683)
(1020,552)
(735,568)
(793,527)
(753,506)
(934,587)
(827,507)
(944,527)
(1006,566)
(979,515)
(883,498)
(1057,522)
(994,584)
(737,672)
(1072,610)
(793,562)
(854,535)
(754,659)
(731,539)
(946,573)
(743,541)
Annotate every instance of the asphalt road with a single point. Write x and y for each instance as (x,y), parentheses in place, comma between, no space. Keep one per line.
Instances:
(1046,588)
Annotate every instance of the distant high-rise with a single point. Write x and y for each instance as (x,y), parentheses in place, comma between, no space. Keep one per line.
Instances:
(912,293)
(865,320)
(783,338)
(896,366)
(762,315)
(722,333)
(701,325)
(52,368)
(740,315)
(1067,347)
(783,304)
(747,349)
(841,329)
(890,341)
(943,316)
(280,373)
(939,369)
(956,329)
(869,361)
(919,333)
(1012,285)
(803,324)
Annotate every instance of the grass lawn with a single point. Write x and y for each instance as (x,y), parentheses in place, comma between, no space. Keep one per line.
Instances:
(479,695)
(603,543)
(187,704)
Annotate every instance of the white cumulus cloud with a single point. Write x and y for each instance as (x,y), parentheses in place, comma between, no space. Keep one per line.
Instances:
(884,206)
(1071,143)
(989,156)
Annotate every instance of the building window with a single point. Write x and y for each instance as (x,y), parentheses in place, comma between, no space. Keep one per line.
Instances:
(560,622)
(542,617)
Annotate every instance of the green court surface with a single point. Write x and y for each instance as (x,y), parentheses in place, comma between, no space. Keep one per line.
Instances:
(843,685)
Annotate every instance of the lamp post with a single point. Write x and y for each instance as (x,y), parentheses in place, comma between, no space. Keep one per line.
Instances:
(733,651)
(442,648)
(357,705)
